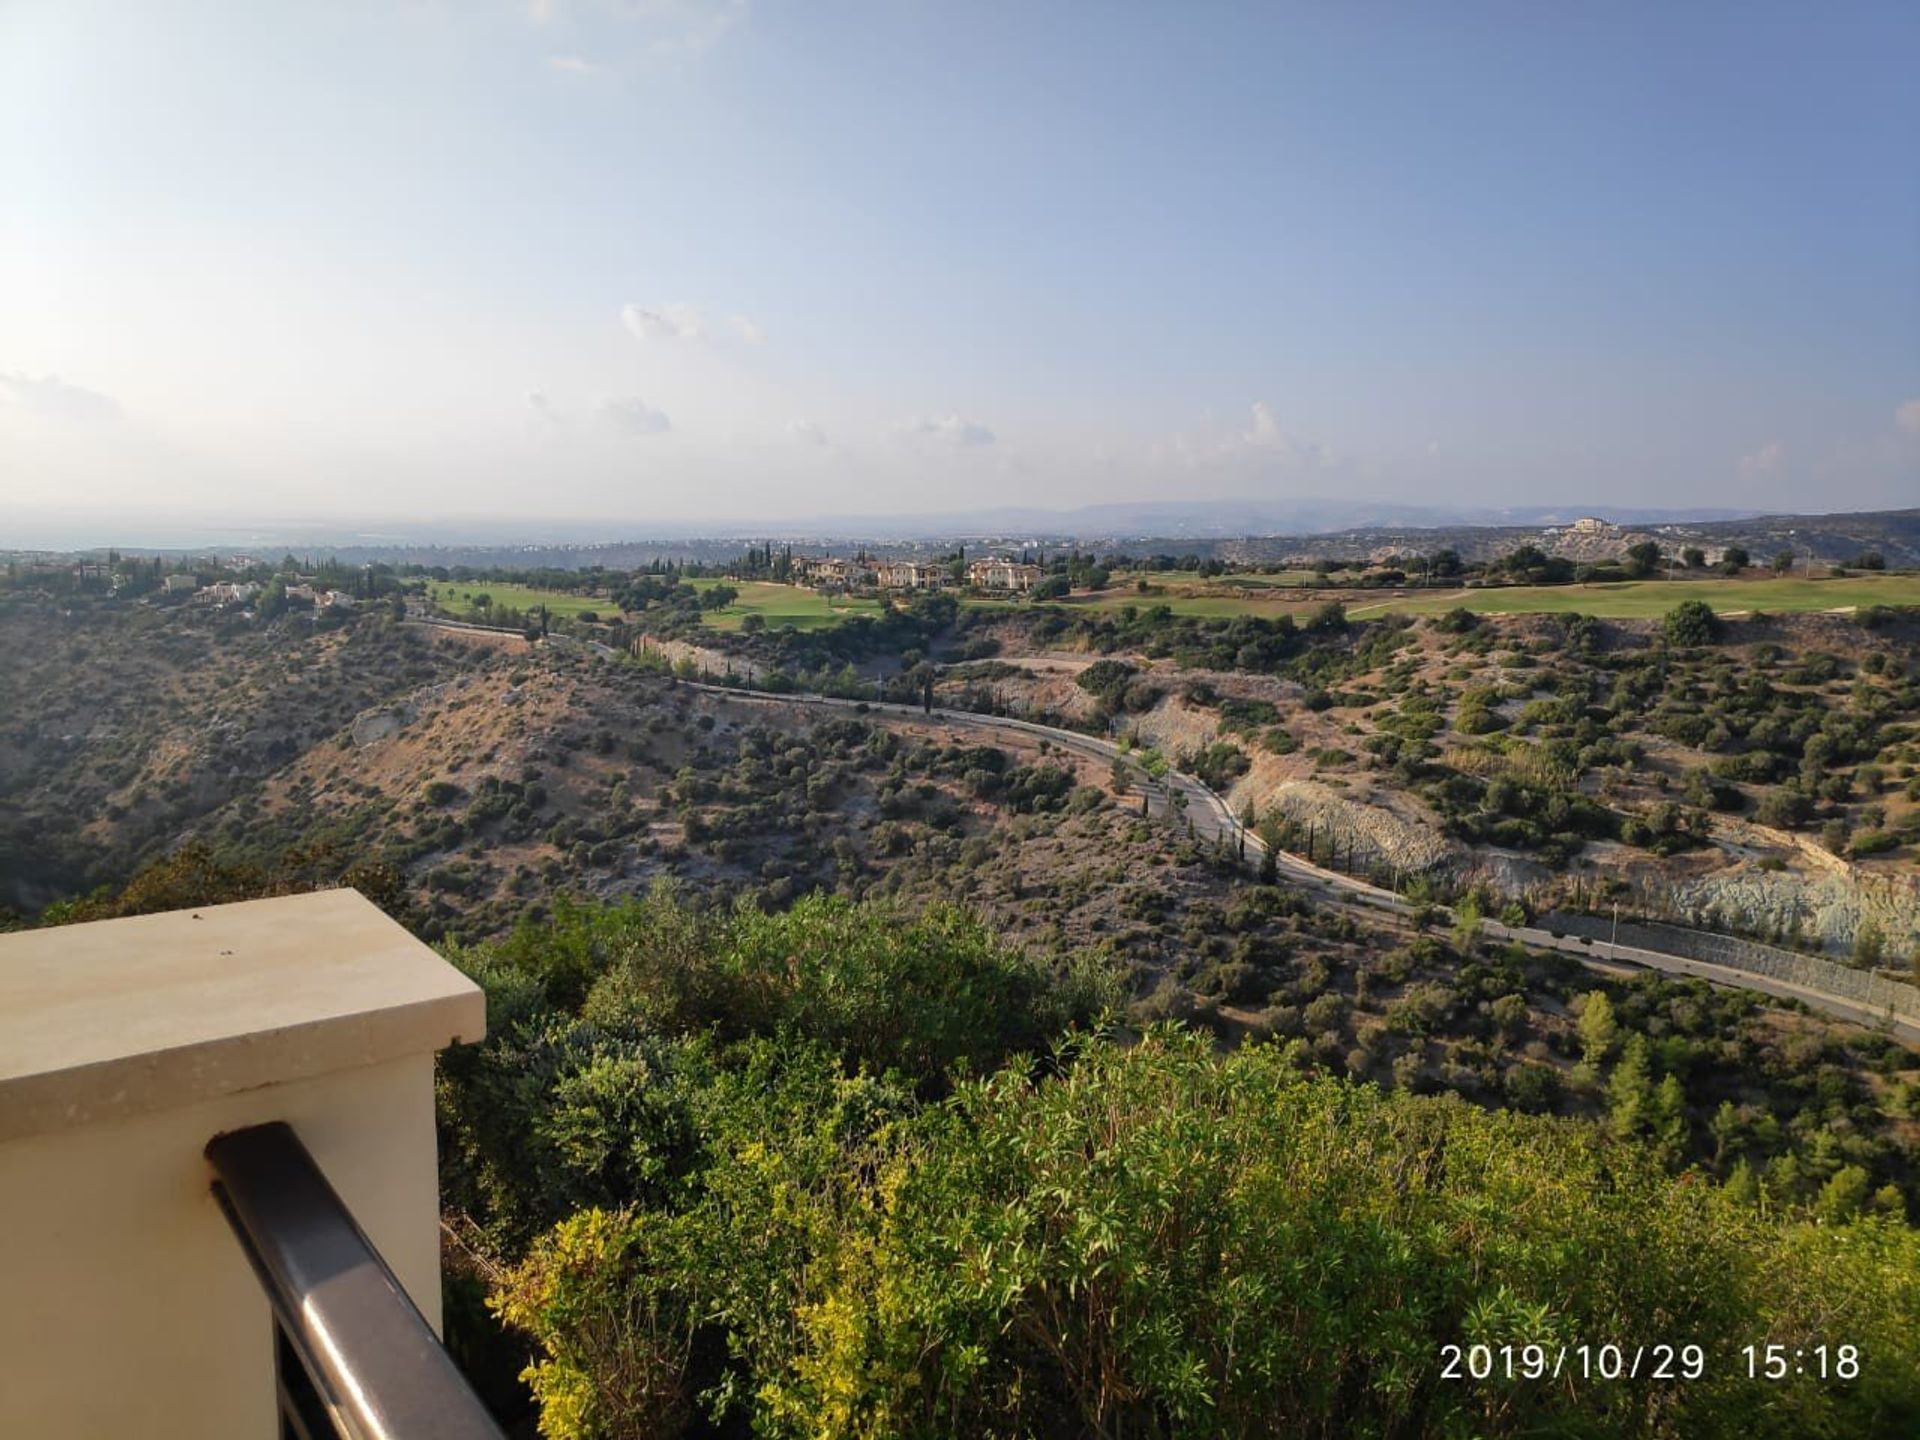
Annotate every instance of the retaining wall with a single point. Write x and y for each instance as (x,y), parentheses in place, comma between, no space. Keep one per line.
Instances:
(1863,986)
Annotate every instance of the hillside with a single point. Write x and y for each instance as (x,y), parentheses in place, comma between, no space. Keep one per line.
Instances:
(1764,781)
(473,786)
(1833,539)
(640,870)
(122,728)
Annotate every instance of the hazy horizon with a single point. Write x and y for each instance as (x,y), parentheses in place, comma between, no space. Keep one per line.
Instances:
(710,262)
(72,531)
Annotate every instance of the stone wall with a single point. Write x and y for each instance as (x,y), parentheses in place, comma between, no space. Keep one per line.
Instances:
(1828,905)
(1863,986)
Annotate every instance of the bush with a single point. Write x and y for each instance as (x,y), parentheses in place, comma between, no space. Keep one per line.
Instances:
(585,1007)
(1218,765)
(1329,618)
(1784,809)
(1169,1241)
(1690,623)
(1106,679)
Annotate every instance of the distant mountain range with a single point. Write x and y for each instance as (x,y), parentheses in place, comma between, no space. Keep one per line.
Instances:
(1291,529)
(1195,519)
(1220,519)
(1833,539)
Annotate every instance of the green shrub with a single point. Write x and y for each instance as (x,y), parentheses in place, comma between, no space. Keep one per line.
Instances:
(1106,679)
(1167,1241)
(1690,623)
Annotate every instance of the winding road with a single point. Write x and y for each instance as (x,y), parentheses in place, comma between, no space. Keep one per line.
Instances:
(1184,797)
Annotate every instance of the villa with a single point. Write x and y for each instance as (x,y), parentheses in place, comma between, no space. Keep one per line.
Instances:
(998,574)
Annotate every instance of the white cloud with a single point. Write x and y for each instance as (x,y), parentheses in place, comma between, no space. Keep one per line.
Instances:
(1255,454)
(540,11)
(633,416)
(1767,460)
(51,398)
(570,65)
(680,321)
(1266,433)
(1266,437)
(1907,417)
(952,430)
(807,432)
(1433,449)
(664,322)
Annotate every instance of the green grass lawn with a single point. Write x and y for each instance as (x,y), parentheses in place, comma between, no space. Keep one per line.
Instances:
(788,605)
(1639,599)
(1268,580)
(456,595)
(804,609)
(1627,599)
(1177,581)
(1268,602)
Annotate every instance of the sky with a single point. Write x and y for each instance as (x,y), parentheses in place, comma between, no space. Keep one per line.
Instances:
(730,259)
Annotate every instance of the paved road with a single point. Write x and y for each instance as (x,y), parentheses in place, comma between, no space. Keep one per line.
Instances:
(1186,798)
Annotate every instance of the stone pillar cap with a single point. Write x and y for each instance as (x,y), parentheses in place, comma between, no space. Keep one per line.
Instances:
(124,1017)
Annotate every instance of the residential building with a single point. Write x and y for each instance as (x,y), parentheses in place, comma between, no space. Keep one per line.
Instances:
(829,570)
(998,574)
(908,575)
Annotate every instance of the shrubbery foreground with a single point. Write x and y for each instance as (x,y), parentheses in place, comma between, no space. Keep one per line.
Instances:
(844,1172)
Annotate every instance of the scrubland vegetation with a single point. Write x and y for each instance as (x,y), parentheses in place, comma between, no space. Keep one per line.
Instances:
(840,1172)
(852,1073)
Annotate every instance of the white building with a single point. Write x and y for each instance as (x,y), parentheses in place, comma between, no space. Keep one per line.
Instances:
(906,575)
(830,570)
(998,574)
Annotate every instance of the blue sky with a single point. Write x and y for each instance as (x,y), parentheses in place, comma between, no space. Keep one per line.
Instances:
(697,259)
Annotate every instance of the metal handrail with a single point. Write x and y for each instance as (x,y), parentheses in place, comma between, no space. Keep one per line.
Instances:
(372,1367)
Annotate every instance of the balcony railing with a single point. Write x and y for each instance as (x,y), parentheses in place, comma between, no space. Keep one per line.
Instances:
(300,1033)
(356,1358)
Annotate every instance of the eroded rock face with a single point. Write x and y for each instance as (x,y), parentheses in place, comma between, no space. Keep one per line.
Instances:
(1830,906)
(1384,837)
(386,720)
(704,659)
(377,725)
(1504,872)
(381,722)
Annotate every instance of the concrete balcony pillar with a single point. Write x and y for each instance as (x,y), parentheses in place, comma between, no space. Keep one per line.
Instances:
(125,1046)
